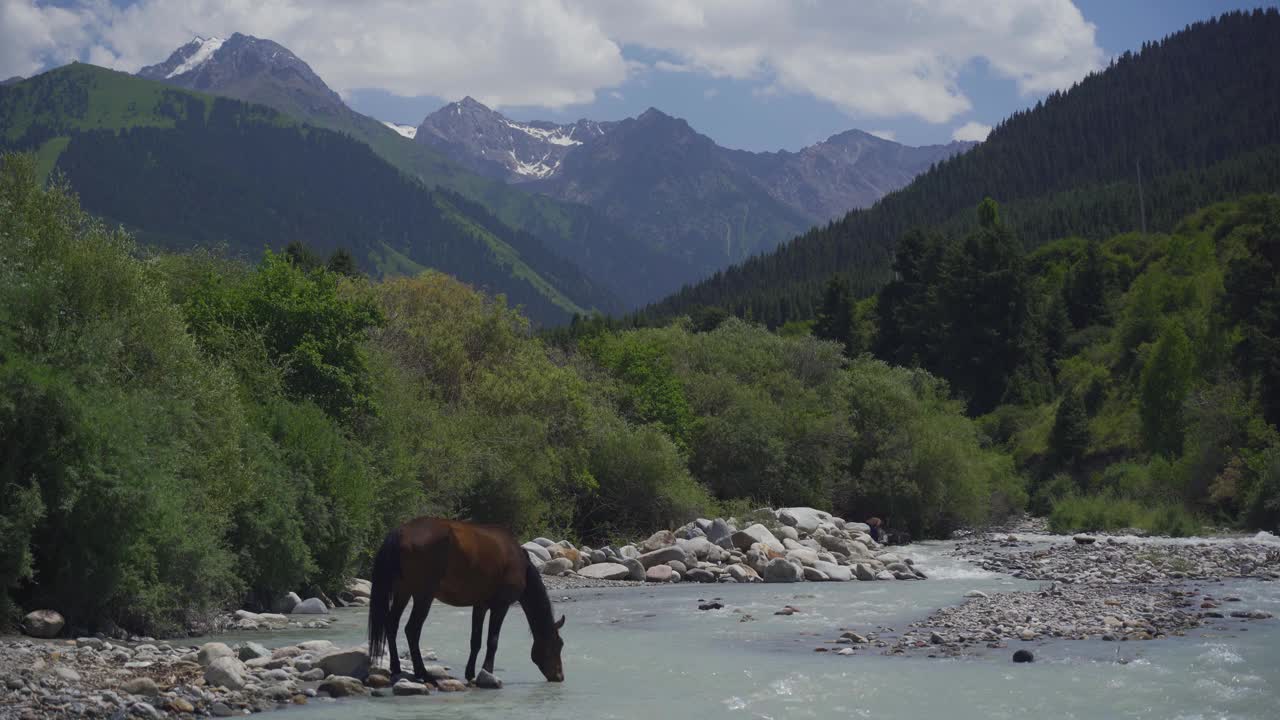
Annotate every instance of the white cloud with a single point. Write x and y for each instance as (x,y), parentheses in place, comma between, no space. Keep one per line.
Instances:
(885,135)
(971,131)
(878,58)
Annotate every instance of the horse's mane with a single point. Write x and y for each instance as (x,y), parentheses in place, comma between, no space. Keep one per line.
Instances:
(536,603)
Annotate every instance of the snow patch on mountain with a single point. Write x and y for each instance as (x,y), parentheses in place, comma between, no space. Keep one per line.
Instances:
(207,47)
(408,131)
(555,136)
(538,170)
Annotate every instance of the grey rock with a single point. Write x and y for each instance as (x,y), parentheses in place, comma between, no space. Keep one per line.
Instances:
(226,672)
(833,571)
(286,603)
(352,662)
(804,556)
(212,651)
(409,687)
(803,519)
(605,571)
(745,538)
(700,575)
(43,623)
(544,542)
(486,680)
(698,547)
(662,556)
(66,674)
(141,686)
(719,532)
(311,606)
(628,552)
(557,566)
(221,709)
(635,568)
(92,643)
(678,566)
(338,686)
(537,551)
(863,572)
(813,575)
(252,651)
(657,541)
(659,574)
(312,675)
(781,570)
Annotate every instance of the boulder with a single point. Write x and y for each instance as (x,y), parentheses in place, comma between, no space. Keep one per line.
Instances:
(316,647)
(885,575)
(700,575)
(212,651)
(719,533)
(741,573)
(409,687)
(43,623)
(557,566)
(857,527)
(311,606)
(352,662)
(544,542)
(599,556)
(338,686)
(697,547)
(657,541)
(226,672)
(781,570)
(628,551)
(573,556)
(360,588)
(141,686)
(786,533)
(537,551)
(1083,540)
(487,680)
(745,538)
(803,519)
(839,573)
(286,603)
(634,568)
(863,572)
(813,575)
(451,685)
(252,651)
(659,574)
(662,556)
(679,567)
(605,571)
(804,556)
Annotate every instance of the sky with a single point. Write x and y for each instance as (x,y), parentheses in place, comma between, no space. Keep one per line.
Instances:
(751,74)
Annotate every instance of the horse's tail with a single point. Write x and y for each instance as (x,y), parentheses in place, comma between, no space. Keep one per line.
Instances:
(386,569)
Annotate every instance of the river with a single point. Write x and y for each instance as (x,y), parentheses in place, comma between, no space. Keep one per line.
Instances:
(650,653)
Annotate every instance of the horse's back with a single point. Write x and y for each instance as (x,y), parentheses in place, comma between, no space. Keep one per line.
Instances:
(462,563)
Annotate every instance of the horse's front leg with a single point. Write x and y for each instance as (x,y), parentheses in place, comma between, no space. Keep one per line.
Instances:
(477,630)
(495,627)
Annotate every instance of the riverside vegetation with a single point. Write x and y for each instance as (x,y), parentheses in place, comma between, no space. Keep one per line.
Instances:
(183,433)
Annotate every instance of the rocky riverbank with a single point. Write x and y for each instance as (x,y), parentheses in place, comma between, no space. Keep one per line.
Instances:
(1108,588)
(787,545)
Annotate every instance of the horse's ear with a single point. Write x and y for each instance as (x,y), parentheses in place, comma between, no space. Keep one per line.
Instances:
(560,622)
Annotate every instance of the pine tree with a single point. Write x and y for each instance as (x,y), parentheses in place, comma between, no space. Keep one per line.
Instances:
(1069,438)
(1166,380)
(835,319)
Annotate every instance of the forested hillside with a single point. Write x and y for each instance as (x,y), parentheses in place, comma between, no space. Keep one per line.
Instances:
(184,432)
(218,173)
(1196,114)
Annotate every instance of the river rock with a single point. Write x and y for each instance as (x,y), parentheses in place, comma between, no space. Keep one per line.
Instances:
(628,552)
(226,672)
(360,588)
(863,572)
(43,623)
(745,538)
(409,687)
(834,571)
(885,575)
(857,527)
(657,541)
(486,680)
(659,574)
(1023,656)
(286,603)
(573,556)
(451,685)
(311,606)
(599,556)
(338,686)
(781,570)
(803,519)
(141,686)
(804,556)
(662,556)
(537,551)
(1085,540)
(741,573)
(700,575)
(720,534)
(699,547)
(352,662)
(605,571)
(635,568)
(557,566)
(813,575)
(544,542)
(252,651)
(211,651)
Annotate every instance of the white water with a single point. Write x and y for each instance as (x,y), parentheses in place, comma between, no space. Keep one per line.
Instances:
(650,653)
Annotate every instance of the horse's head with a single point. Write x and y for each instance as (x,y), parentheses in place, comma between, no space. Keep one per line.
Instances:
(546,653)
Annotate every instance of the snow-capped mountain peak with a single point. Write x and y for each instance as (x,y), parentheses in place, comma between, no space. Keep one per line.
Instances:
(408,131)
(196,52)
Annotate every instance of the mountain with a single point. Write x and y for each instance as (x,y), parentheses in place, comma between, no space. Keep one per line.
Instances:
(675,188)
(261,71)
(1197,115)
(182,169)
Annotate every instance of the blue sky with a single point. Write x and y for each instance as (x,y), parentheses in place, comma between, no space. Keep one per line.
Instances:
(734,114)
(752,74)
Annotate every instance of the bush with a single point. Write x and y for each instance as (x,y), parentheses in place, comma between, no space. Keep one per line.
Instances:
(1106,513)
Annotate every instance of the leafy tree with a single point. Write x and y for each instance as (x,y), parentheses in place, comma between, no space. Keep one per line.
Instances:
(343,263)
(1069,438)
(1166,380)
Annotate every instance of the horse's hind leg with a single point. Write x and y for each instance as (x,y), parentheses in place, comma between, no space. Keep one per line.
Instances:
(413,630)
(499,613)
(477,631)
(393,627)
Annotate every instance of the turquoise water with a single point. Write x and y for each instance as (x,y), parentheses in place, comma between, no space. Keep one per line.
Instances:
(650,653)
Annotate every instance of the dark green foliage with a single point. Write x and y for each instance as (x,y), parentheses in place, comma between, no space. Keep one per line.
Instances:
(835,320)
(1069,438)
(1166,380)
(1253,302)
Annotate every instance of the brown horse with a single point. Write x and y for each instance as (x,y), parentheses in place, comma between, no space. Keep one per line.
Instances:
(464,565)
